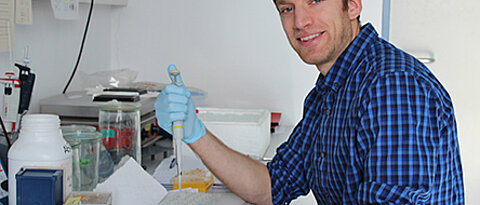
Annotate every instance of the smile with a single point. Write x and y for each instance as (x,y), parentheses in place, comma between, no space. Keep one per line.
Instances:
(310,37)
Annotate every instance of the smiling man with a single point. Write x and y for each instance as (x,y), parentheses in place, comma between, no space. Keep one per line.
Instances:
(319,31)
(377,128)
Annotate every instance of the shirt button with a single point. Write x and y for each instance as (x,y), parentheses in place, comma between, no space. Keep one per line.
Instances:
(322,154)
(328,112)
(335,84)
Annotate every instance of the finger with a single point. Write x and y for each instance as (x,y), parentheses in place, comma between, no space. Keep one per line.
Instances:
(172,70)
(175,89)
(177,116)
(174,108)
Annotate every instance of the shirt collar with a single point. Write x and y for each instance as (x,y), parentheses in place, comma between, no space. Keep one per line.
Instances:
(348,61)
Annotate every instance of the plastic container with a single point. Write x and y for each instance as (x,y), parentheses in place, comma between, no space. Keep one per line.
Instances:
(196,179)
(244,130)
(86,145)
(39,186)
(40,145)
(119,122)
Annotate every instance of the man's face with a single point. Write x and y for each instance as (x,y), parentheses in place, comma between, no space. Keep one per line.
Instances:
(318,30)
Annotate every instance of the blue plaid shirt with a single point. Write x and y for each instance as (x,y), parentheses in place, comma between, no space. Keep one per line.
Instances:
(378,128)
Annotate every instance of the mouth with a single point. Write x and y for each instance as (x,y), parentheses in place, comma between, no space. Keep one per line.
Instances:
(309,37)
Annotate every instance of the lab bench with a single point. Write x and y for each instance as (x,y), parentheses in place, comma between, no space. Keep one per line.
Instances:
(218,193)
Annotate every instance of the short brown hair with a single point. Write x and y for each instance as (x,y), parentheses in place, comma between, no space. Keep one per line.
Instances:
(345,6)
(345,3)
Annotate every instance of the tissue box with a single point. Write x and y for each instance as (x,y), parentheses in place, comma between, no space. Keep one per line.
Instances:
(244,130)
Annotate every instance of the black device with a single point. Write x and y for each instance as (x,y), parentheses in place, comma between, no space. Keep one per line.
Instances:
(121,98)
(27,80)
(137,90)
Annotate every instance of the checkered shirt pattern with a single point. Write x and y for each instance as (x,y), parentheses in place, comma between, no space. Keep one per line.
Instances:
(378,128)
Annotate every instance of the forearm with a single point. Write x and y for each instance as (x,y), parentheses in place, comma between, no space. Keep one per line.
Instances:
(246,177)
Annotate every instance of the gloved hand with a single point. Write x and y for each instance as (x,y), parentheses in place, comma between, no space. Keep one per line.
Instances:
(174,104)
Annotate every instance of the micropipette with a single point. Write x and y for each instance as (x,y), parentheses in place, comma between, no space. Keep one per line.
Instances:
(177,129)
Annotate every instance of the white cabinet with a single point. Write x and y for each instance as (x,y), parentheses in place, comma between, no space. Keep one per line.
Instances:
(107,2)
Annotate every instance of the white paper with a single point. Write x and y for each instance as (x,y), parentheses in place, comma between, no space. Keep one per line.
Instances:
(6,25)
(130,184)
(23,13)
(65,9)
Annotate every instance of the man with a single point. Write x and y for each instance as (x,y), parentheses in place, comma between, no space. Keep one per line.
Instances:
(377,128)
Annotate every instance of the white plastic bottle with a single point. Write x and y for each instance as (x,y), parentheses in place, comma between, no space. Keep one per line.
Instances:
(40,144)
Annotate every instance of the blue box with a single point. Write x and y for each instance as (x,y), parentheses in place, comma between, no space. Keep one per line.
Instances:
(39,186)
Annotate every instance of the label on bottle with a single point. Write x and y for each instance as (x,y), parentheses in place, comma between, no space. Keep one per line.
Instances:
(65,165)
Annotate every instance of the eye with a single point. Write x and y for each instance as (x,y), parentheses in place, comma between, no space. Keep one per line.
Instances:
(286,10)
(316,1)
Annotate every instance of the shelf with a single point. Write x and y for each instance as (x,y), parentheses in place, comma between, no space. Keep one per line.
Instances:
(108,2)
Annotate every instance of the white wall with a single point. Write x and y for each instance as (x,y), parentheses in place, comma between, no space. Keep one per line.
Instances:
(445,29)
(54,46)
(234,50)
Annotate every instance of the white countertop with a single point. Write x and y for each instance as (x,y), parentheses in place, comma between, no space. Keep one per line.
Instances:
(281,135)
(162,173)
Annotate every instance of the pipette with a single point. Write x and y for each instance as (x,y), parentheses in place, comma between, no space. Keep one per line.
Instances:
(177,129)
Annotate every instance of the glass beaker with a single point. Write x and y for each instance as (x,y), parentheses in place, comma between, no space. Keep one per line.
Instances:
(86,146)
(119,122)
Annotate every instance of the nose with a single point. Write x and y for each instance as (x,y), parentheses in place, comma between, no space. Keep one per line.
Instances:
(302,18)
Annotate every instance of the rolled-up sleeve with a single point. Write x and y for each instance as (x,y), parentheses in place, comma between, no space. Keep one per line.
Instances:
(288,169)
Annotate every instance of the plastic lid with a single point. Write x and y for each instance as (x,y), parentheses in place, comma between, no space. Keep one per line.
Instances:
(116,106)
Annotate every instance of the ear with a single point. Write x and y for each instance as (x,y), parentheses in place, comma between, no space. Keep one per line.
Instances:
(354,9)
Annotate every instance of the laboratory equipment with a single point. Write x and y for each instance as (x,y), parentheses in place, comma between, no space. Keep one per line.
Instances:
(94,198)
(39,186)
(200,179)
(177,128)
(17,93)
(40,144)
(244,130)
(105,162)
(119,122)
(11,100)
(86,146)
(78,107)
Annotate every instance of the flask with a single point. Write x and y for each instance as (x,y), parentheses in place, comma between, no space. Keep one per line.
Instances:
(86,146)
(40,145)
(119,123)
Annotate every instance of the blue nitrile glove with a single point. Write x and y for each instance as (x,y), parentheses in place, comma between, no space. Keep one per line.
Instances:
(174,104)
